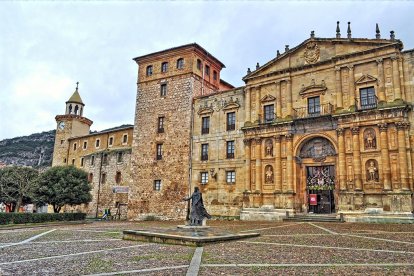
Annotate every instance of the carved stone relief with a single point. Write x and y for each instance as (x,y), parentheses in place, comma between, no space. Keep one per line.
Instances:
(268,174)
(371,168)
(269,147)
(312,52)
(317,148)
(370,139)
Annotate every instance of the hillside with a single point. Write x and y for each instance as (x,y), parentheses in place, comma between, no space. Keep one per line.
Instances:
(35,150)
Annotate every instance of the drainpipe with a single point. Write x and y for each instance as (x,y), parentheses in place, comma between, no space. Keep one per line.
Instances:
(190,168)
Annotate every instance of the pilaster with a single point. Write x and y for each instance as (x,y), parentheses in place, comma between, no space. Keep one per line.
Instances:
(258,176)
(385,157)
(289,162)
(339,99)
(341,157)
(247,149)
(278,164)
(381,80)
(402,155)
(356,159)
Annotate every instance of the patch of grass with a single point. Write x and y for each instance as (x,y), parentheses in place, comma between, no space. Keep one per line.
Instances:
(163,256)
(99,265)
(113,235)
(211,259)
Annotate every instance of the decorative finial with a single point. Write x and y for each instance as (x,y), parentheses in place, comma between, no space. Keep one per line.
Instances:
(377,32)
(312,35)
(349,30)
(286,48)
(77,84)
(392,35)
(277,53)
(338,30)
(257,66)
(248,70)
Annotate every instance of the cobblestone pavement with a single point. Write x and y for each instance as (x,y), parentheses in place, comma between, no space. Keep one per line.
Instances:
(289,248)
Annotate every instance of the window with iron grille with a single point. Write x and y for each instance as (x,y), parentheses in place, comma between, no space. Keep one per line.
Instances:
(160,124)
(204,177)
(205,125)
(269,113)
(164,67)
(231,121)
(159,151)
(231,177)
(204,152)
(149,70)
(230,149)
(180,63)
(157,185)
(368,98)
(163,90)
(314,106)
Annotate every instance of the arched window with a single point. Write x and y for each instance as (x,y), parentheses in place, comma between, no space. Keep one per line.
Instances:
(81,111)
(199,65)
(149,70)
(70,109)
(180,63)
(164,67)
(90,177)
(118,177)
(76,109)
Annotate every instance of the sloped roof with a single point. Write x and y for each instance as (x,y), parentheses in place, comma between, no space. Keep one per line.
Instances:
(75,98)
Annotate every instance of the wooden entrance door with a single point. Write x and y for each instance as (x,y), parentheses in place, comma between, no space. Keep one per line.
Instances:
(320,186)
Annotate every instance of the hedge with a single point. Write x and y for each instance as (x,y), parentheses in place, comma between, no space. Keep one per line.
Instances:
(21,218)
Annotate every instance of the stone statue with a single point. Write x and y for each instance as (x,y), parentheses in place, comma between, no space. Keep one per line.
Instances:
(198,212)
(370,139)
(269,174)
(372,171)
(269,148)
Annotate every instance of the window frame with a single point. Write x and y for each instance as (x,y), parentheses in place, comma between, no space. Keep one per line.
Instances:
(82,162)
(230,149)
(204,152)
(149,70)
(92,160)
(204,178)
(313,108)
(111,141)
(199,64)
(370,98)
(164,67)
(125,139)
(85,145)
(232,177)
(163,89)
(103,178)
(205,121)
(215,75)
(231,122)
(180,63)
(207,70)
(75,146)
(120,157)
(269,109)
(98,143)
(159,151)
(160,125)
(118,177)
(105,159)
(157,185)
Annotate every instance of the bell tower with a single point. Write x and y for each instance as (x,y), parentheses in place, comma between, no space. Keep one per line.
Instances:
(69,125)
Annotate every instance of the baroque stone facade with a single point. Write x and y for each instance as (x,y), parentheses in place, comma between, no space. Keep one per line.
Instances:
(328,118)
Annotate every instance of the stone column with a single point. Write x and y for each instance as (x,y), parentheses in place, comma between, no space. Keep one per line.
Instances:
(385,157)
(289,162)
(258,164)
(339,99)
(258,105)
(278,164)
(342,161)
(381,80)
(247,104)
(402,155)
(247,148)
(289,98)
(396,78)
(356,159)
(278,100)
(351,79)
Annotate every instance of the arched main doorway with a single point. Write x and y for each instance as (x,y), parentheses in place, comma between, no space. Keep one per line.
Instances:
(317,175)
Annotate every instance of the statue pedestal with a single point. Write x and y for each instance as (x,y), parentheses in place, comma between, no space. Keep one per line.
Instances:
(195,227)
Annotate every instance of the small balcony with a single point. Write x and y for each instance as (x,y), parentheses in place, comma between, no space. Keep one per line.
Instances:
(312,112)
(366,103)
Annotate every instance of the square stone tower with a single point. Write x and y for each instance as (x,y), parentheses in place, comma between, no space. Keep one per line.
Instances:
(167,83)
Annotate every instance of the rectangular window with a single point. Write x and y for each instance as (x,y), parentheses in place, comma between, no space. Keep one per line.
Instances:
(163,91)
(125,139)
(368,98)
(231,177)
(119,157)
(269,112)
(160,124)
(81,162)
(149,70)
(204,152)
(74,146)
(97,143)
(205,125)
(103,180)
(157,185)
(85,145)
(231,121)
(207,72)
(159,151)
(314,107)
(199,64)
(180,63)
(214,75)
(105,159)
(111,141)
(204,177)
(118,177)
(92,160)
(230,149)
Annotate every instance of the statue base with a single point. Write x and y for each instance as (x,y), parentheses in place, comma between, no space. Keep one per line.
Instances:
(195,227)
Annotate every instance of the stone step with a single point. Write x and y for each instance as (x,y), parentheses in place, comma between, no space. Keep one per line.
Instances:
(314,218)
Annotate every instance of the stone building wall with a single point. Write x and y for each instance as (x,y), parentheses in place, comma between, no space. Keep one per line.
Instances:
(221,198)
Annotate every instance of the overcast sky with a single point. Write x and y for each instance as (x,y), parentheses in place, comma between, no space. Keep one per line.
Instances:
(46,47)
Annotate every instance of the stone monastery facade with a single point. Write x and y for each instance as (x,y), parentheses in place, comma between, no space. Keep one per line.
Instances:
(325,127)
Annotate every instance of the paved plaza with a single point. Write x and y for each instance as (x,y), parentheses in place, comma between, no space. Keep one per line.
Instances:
(288,248)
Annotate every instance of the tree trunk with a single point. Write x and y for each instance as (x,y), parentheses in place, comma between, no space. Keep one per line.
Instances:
(56,208)
(18,204)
